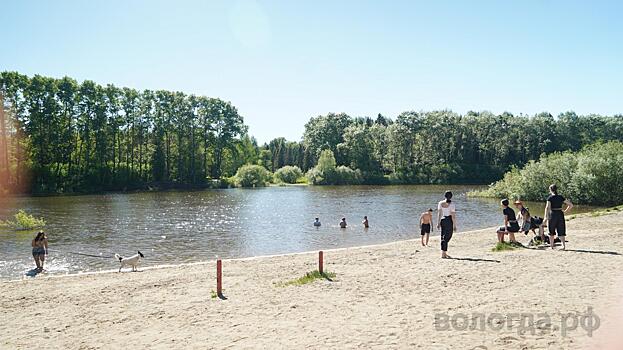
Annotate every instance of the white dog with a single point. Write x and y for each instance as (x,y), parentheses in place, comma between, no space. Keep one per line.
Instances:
(133,261)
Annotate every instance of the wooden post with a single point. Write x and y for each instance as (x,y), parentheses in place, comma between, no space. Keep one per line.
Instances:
(320,261)
(219,278)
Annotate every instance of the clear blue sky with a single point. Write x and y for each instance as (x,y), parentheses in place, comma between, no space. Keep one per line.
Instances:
(282,62)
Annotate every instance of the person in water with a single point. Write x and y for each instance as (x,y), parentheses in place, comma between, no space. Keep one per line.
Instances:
(365,222)
(446,221)
(529,223)
(511,226)
(317,222)
(555,215)
(343,223)
(39,249)
(426,223)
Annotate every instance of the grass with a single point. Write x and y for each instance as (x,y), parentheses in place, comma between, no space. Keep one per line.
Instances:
(598,212)
(308,278)
(500,247)
(23,222)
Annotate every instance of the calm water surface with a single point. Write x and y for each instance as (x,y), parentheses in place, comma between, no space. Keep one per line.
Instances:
(178,227)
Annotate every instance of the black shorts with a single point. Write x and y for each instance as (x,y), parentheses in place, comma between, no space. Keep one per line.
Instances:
(536,222)
(513,227)
(425,228)
(556,223)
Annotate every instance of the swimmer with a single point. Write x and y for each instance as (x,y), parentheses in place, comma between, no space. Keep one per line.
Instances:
(317,222)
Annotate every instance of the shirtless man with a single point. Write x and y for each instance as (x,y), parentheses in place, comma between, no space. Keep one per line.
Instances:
(426,224)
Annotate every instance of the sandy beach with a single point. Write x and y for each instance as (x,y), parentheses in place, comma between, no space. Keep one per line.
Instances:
(397,295)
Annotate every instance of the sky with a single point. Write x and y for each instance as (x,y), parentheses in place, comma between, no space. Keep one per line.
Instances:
(283,62)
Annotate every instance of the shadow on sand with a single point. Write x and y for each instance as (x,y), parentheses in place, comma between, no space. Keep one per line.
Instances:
(476,260)
(592,251)
(32,273)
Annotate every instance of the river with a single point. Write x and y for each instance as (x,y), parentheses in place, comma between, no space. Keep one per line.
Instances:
(180,227)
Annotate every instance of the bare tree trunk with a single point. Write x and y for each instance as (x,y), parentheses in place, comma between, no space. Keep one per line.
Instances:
(4,149)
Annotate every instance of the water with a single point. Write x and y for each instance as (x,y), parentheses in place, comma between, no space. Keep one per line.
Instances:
(178,227)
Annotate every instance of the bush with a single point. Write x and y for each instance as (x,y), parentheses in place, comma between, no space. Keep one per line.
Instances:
(288,174)
(23,222)
(251,176)
(326,173)
(591,176)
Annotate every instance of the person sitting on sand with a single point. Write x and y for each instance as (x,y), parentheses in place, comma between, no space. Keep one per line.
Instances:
(555,215)
(39,249)
(426,223)
(317,222)
(529,223)
(510,223)
(446,221)
(365,222)
(343,223)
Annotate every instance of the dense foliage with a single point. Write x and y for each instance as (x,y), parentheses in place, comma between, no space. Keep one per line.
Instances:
(326,172)
(288,174)
(251,176)
(590,176)
(57,135)
(441,146)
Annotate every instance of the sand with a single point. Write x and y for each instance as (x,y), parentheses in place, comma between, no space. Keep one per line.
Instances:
(384,296)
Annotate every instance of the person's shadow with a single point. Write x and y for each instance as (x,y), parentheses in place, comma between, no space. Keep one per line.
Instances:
(32,273)
(475,260)
(593,251)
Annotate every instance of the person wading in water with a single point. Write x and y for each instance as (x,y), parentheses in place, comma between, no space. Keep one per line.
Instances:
(39,249)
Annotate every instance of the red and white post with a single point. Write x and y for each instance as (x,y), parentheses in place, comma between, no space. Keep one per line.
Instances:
(320,261)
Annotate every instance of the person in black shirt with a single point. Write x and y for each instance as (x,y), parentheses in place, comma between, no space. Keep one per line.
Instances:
(555,215)
(510,223)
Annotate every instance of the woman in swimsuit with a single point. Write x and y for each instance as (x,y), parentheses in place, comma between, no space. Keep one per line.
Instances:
(40,249)
(446,221)
(555,215)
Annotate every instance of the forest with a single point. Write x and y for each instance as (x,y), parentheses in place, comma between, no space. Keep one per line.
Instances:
(62,136)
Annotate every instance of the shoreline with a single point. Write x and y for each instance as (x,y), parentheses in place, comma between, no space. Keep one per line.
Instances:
(593,213)
(249,258)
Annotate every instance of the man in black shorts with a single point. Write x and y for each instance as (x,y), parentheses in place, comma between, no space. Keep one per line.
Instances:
(426,223)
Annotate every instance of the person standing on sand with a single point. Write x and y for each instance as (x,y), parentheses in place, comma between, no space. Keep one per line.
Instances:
(365,222)
(446,221)
(343,223)
(426,223)
(39,249)
(555,215)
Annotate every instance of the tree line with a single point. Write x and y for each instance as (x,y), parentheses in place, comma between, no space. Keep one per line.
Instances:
(441,146)
(61,136)
(58,135)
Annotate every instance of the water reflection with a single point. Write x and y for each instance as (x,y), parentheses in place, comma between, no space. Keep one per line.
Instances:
(176,227)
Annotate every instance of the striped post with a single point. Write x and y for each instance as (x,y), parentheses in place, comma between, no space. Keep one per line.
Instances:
(219,278)
(320,261)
